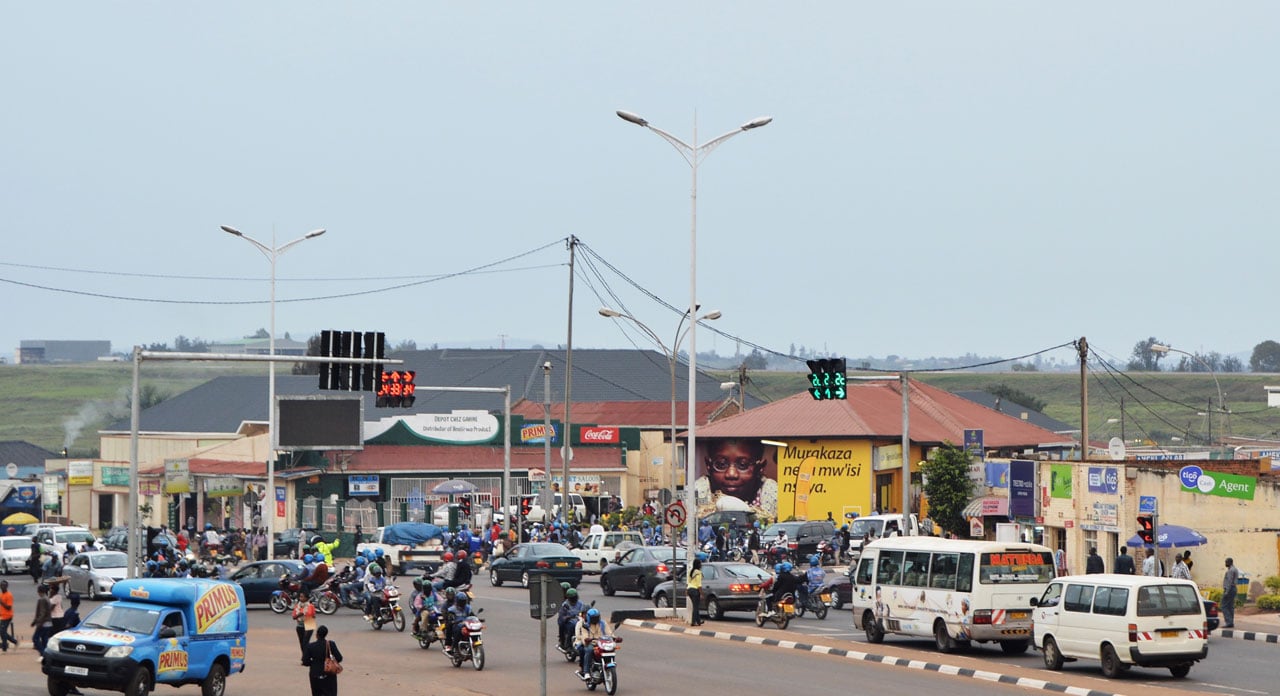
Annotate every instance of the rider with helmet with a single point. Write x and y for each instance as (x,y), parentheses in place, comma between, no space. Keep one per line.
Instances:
(324,548)
(588,630)
(814,578)
(784,583)
(347,589)
(374,583)
(457,611)
(447,570)
(568,614)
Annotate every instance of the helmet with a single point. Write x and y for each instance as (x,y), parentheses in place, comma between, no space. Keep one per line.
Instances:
(377,553)
(448,556)
(566,586)
(450,592)
(360,561)
(417,584)
(786,566)
(814,561)
(479,556)
(645,524)
(208,525)
(593,615)
(844,527)
(460,601)
(755,524)
(308,559)
(315,539)
(570,593)
(777,568)
(376,569)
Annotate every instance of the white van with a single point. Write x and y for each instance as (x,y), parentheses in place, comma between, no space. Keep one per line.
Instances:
(598,550)
(1121,620)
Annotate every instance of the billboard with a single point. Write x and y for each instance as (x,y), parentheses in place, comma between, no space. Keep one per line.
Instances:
(805,480)
(1022,488)
(320,422)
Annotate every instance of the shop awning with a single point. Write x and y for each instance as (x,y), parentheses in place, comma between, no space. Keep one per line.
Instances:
(987,506)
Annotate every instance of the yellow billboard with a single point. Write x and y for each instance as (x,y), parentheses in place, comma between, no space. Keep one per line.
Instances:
(826,477)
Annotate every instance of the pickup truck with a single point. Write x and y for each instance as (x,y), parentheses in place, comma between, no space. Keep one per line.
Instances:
(410,545)
(879,526)
(597,550)
(158,631)
(538,514)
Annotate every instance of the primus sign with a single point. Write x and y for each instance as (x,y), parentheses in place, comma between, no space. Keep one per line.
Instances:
(1197,480)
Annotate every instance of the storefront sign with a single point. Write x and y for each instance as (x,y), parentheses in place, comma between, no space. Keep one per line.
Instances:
(24,496)
(150,486)
(115,475)
(223,487)
(362,485)
(887,458)
(1022,488)
(592,435)
(1104,479)
(585,485)
(997,474)
(80,473)
(1104,517)
(1196,480)
(177,476)
(1060,484)
(976,527)
(531,434)
(459,427)
(51,492)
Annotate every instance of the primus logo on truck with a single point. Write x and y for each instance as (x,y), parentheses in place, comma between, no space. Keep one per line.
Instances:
(213,605)
(171,660)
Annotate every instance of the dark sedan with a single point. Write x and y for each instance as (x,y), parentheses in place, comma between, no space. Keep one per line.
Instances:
(526,562)
(260,579)
(640,569)
(840,587)
(726,586)
(286,542)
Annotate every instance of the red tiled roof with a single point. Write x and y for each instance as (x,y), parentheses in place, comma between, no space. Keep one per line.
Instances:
(203,466)
(403,458)
(634,413)
(874,409)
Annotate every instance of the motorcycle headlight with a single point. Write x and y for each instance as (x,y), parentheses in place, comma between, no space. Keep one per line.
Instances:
(52,644)
(119,651)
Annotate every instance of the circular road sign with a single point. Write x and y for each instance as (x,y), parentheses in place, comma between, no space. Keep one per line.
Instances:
(675,515)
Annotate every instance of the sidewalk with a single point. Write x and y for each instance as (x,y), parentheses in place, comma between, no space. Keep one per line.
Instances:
(1261,627)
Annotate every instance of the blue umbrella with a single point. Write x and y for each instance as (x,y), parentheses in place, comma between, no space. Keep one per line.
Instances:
(454,487)
(1173,536)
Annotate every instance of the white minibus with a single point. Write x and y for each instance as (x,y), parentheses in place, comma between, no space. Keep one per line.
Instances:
(954,590)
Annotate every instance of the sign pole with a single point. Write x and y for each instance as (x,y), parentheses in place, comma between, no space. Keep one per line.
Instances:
(543,579)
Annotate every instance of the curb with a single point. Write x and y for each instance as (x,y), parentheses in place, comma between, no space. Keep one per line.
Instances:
(1249,635)
(941,668)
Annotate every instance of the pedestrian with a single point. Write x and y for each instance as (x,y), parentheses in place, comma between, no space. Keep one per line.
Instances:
(71,617)
(56,610)
(695,591)
(1228,604)
(43,621)
(304,614)
(359,539)
(1186,558)
(1060,560)
(6,618)
(1149,567)
(1093,564)
(315,656)
(1180,569)
(1124,563)
(33,561)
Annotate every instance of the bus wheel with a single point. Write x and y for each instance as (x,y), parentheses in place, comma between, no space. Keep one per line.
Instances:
(875,633)
(941,638)
(1014,647)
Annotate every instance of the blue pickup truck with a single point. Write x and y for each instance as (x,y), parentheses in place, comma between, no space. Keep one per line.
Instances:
(158,631)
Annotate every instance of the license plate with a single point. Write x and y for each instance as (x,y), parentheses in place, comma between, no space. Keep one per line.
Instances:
(755,588)
(1018,614)
(477,641)
(78,671)
(825,598)
(562,564)
(1169,634)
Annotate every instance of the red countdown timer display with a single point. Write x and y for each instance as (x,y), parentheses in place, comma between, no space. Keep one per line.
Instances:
(396,389)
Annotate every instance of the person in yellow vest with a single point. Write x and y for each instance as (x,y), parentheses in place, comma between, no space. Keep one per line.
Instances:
(325,548)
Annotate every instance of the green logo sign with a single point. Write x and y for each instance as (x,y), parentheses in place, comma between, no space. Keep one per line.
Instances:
(1224,485)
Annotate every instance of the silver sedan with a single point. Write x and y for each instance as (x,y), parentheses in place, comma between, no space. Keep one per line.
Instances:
(94,573)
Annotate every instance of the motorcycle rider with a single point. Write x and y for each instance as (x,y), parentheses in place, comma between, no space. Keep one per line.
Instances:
(374,583)
(590,629)
(447,570)
(784,583)
(357,581)
(753,542)
(324,548)
(457,611)
(462,569)
(568,614)
(814,578)
(317,573)
(418,602)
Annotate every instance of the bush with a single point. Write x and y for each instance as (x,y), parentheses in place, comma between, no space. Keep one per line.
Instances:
(1270,602)
(1212,593)
(1273,583)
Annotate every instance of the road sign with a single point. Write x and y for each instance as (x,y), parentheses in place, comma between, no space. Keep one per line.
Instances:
(1147,505)
(675,514)
(547,587)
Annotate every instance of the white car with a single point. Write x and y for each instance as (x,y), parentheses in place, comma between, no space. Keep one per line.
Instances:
(94,573)
(14,552)
(55,539)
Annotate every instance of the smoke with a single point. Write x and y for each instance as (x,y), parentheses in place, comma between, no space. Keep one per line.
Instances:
(91,413)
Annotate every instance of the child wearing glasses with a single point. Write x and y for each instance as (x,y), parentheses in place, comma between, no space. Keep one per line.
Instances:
(733,478)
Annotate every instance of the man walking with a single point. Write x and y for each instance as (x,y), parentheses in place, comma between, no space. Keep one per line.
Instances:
(1228,604)
(6,618)
(1093,564)
(1124,563)
(1149,565)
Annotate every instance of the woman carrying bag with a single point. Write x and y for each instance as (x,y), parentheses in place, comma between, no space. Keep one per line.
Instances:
(324,661)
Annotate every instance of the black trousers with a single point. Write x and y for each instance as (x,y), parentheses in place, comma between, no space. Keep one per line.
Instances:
(695,601)
(304,637)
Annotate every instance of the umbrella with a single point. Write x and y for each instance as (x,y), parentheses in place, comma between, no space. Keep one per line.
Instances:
(1173,536)
(454,487)
(20,518)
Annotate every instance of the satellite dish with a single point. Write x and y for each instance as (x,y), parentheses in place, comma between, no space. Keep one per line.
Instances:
(11,469)
(1115,448)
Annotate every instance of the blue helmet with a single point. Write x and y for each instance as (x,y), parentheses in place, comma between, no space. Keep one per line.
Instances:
(777,568)
(208,525)
(377,553)
(645,524)
(360,561)
(593,615)
(786,566)
(308,558)
(814,561)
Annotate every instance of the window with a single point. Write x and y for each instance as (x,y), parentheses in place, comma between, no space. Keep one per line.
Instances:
(1078,598)
(1016,567)
(1111,601)
(1052,595)
(943,573)
(915,569)
(174,620)
(964,573)
(889,568)
(274,570)
(866,570)
(1164,600)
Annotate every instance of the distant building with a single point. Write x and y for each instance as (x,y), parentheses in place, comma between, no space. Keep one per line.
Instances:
(260,346)
(61,351)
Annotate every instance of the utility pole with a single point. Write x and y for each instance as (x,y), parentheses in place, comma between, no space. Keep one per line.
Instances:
(567,452)
(1082,347)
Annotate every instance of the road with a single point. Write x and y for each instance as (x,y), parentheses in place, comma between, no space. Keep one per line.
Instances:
(650,662)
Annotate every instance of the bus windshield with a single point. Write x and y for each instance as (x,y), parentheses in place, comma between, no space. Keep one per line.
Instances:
(861,526)
(1016,567)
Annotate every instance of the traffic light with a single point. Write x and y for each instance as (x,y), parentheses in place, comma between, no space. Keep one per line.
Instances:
(369,345)
(526,505)
(464,506)
(826,378)
(396,388)
(1147,529)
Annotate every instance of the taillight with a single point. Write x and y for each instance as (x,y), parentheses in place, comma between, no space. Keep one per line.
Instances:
(577,564)
(739,587)
(541,564)
(982,616)
(1133,633)
(793,545)
(662,568)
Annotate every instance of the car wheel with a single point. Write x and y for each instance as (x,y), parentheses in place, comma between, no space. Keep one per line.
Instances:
(57,687)
(714,611)
(660,600)
(524,579)
(606,587)
(216,682)
(1180,671)
(140,684)
(1111,667)
(91,591)
(493,578)
(1052,656)
(839,601)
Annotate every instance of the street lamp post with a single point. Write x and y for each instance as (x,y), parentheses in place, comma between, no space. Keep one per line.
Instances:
(693,155)
(1222,404)
(272,253)
(675,458)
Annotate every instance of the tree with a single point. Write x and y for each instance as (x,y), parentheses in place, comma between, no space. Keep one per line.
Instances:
(260,333)
(1232,364)
(313,348)
(1004,391)
(948,487)
(756,361)
(182,344)
(1145,359)
(1266,357)
(407,344)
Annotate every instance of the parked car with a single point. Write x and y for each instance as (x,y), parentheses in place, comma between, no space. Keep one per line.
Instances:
(14,552)
(260,578)
(1211,614)
(598,550)
(286,542)
(525,562)
(118,540)
(840,585)
(736,519)
(802,537)
(94,573)
(31,529)
(641,569)
(726,586)
(55,539)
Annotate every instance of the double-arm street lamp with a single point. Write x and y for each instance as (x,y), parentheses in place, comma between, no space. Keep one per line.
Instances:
(272,253)
(693,155)
(1222,404)
(671,354)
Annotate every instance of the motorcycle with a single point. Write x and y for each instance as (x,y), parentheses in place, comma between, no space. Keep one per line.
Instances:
(389,611)
(780,615)
(430,630)
(604,664)
(827,551)
(816,601)
(470,645)
(325,597)
(283,599)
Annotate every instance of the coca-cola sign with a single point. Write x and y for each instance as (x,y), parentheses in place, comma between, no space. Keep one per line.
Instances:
(598,436)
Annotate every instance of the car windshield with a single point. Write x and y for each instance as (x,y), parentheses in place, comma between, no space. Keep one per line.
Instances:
(109,560)
(861,526)
(118,618)
(549,550)
(791,528)
(76,537)
(20,543)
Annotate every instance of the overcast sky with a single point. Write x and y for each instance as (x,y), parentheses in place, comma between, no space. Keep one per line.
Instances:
(939,178)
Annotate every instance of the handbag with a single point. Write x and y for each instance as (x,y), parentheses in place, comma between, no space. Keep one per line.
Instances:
(331,666)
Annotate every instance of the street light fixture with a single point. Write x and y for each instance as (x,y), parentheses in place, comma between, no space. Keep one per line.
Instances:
(1222,404)
(693,154)
(272,253)
(672,354)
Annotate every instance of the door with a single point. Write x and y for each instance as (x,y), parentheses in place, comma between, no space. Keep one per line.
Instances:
(174,658)
(1046,614)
